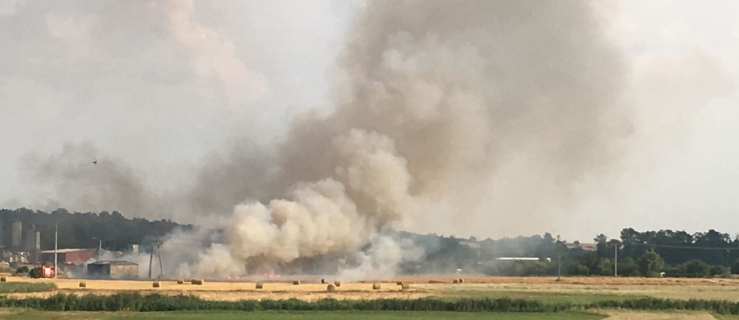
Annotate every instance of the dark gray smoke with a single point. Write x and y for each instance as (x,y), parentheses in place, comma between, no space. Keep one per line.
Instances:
(76,183)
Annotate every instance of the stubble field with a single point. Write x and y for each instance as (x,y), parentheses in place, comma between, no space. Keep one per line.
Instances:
(544,289)
(579,289)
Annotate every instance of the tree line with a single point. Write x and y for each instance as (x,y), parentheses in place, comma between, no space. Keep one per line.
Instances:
(649,253)
(84,230)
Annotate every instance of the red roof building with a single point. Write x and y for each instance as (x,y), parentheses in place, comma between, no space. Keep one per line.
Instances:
(68,256)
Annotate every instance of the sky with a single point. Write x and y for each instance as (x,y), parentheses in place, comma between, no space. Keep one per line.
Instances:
(163,86)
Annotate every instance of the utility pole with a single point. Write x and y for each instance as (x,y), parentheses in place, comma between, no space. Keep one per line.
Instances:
(159,254)
(151,258)
(56,248)
(615,259)
(559,258)
(155,246)
(100,248)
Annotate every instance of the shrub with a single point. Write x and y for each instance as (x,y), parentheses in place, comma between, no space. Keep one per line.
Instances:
(538,268)
(628,268)
(717,270)
(735,267)
(579,269)
(605,267)
(696,268)
(650,264)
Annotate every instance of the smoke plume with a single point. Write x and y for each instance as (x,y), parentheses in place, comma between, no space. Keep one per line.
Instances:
(75,182)
(449,109)
(447,103)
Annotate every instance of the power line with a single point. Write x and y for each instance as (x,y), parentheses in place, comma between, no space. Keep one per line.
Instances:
(685,247)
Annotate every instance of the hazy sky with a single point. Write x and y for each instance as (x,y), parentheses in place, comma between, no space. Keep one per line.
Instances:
(163,85)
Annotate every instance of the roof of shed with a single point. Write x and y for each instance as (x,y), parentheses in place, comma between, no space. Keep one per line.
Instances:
(114,263)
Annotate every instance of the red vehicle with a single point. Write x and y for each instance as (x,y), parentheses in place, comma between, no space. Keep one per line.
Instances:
(48,271)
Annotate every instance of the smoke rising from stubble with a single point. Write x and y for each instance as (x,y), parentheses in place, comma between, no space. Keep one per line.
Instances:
(447,102)
(470,106)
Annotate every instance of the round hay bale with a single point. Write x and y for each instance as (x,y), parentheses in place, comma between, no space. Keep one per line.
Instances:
(330,288)
(461,280)
(405,286)
(296,282)
(259,285)
(324,281)
(400,283)
(155,284)
(83,285)
(376,286)
(197,282)
(180,281)
(337,283)
(3,279)
(455,281)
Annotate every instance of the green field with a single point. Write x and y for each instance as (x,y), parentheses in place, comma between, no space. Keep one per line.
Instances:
(22,287)
(544,297)
(306,315)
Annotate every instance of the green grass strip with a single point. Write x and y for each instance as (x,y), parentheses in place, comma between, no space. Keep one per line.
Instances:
(158,302)
(22,287)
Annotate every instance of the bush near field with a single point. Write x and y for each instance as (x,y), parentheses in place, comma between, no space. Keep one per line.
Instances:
(156,302)
(24,287)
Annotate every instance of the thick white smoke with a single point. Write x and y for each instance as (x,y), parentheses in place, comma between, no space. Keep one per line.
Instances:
(381,260)
(450,112)
(338,214)
(471,105)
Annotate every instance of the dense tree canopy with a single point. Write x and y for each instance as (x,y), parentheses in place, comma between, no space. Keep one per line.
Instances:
(81,230)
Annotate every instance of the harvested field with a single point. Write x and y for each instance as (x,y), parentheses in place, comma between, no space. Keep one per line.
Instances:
(569,280)
(642,315)
(576,289)
(226,291)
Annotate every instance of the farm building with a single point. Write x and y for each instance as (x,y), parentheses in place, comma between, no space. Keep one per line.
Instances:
(113,269)
(68,256)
